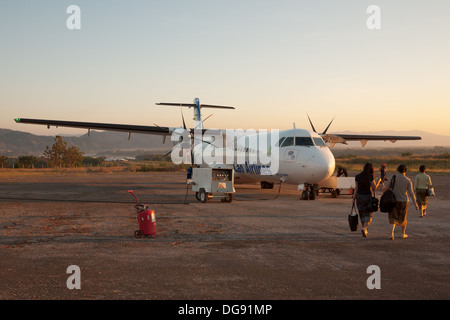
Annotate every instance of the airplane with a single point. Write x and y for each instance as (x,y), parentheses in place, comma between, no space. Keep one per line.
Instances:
(304,157)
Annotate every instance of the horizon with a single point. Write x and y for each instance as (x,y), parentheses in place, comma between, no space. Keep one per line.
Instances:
(442,141)
(85,131)
(275,62)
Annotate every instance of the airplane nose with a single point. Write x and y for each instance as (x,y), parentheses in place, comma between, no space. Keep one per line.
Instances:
(323,164)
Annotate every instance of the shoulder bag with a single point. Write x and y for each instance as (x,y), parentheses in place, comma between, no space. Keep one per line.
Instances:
(388,201)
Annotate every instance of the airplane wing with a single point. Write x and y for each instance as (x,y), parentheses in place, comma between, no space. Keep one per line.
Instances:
(164,131)
(332,139)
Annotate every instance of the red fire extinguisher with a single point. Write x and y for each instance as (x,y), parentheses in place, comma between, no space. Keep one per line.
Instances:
(146,219)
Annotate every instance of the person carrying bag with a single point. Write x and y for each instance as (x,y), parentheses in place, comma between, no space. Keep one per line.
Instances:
(402,188)
(364,187)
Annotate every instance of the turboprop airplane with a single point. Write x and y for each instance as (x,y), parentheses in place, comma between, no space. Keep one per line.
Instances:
(296,156)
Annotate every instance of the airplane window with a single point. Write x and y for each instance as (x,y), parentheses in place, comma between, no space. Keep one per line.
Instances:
(288,142)
(319,142)
(303,141)
(280,141)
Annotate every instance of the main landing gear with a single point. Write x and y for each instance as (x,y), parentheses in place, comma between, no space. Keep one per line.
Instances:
(266,185)
(309,193)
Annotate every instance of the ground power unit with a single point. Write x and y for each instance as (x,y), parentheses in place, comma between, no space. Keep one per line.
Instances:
(213,182)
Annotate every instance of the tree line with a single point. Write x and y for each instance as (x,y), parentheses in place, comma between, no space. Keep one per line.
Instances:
(59,155)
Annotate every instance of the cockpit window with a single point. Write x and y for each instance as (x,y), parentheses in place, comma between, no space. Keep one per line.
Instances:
(288,142)
(280,141)
(303,141)
(319,142)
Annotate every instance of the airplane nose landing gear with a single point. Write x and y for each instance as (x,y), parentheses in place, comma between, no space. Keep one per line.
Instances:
(309,192)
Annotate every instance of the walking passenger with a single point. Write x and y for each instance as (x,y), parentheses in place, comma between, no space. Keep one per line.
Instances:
(364,187)
(402,188)
(421,185)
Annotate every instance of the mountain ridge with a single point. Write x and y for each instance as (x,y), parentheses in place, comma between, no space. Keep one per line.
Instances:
(107,143)
(98,143)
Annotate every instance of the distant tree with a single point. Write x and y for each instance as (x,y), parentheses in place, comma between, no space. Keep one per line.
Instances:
(152,157)
(72,156)
(406,154)
(42,163)
(59,155)
(4,163)
(93,162)
(26,161)
(55,154)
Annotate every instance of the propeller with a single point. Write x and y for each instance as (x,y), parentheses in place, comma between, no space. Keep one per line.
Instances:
(185,128)
(192,136)
(326,129)
(191,131)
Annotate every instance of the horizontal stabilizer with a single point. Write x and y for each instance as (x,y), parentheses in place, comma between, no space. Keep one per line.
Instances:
(213,106)
(190,105)
(176,104)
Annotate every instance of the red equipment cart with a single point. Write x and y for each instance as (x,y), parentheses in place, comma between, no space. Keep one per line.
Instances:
(146,219)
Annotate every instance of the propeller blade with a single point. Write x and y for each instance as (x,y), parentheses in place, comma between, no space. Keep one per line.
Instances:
(203,121)
(312,126)
(182,117)
(166,154)
(328,125)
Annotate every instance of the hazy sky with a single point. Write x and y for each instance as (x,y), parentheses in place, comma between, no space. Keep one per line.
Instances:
(275,61)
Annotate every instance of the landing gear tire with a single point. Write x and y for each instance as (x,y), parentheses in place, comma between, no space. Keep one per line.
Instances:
(312,195)
(305,195)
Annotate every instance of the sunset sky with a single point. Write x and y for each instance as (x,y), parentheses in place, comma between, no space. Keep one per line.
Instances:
(275,61)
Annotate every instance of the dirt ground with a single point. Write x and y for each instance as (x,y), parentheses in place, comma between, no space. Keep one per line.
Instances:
(257,247)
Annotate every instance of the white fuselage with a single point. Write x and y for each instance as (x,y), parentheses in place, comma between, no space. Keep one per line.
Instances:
(303,158)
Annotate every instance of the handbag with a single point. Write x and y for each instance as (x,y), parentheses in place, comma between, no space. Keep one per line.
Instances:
(353,220)
(430,191)
(373,204)
(388,201)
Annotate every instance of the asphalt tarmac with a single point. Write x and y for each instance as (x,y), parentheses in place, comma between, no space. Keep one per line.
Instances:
(261,246)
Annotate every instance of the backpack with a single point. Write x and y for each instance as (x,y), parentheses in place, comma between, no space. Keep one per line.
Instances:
(388,201)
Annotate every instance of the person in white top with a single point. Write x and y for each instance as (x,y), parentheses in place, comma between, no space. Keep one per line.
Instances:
(421,183)
(402,188)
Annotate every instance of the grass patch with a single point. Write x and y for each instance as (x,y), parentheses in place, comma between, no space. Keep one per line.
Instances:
(433,162)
